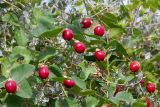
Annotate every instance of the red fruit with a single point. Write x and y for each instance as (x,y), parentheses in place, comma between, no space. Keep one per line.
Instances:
(150,87)
(68,83)
(147,103)
(10,86)
(86,23)
(43,72)
(67,34)
(100,55)
(142,81)
(134,66)
(117,90)
(107,105)
(79,47)
(99,30)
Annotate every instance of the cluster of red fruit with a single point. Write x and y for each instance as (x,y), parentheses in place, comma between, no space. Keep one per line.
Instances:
(43,72)
(79,47)
(150,87)
(134,67)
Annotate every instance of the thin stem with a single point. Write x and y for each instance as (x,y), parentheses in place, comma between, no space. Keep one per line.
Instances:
(85,7)
(64,91)
(12,5)
(99,12)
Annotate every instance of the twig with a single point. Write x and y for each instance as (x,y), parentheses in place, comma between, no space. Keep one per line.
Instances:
(99,12)
(153,24)
(64,91)
(12,5)
(85,7)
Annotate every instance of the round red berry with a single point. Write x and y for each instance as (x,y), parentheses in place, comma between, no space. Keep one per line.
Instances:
(150,87)
(79,47)
(99,30)
(10,86)
(68,83)
(86,23)
(142,81)
(67,34)
(100,55)
(43,72)
(117,89)
(107,105)
(147,103)
(134,66)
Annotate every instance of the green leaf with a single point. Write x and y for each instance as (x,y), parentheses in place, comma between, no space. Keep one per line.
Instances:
(139,103)
(51,33)
(46,21)
(72,102)
(10,18)
(149,76)
(115,32)
(20,50)
(119,48)
(2,81)
(22,72)
(79,82)
(125,96)
(89,70)
(59,79)
(136,32)
(158,86)
(110,20)
(25,90)
(37,13)
(136,35)
(56,70)
(78,3)
(124,11)
(76,28)
(96,42)
(21,37)
(86,92)
(155,58)
(86,70)
(13,101)
(91,101)
(92,36)
(45,54)
(38,30)
(153,4)
(90,58)
(61,103)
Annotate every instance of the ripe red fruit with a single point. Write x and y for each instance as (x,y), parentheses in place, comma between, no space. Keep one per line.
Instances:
(142,81)
(134,66)
(117,90)
(79,47)
(100,55)
(68,83)
(67,34)
(107,105)
(10,86)
(86,23)
(147,103)
(99,30)
(150,87)
(43,72)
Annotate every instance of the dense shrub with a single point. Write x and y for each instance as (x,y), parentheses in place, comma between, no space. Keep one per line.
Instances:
(79,53)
